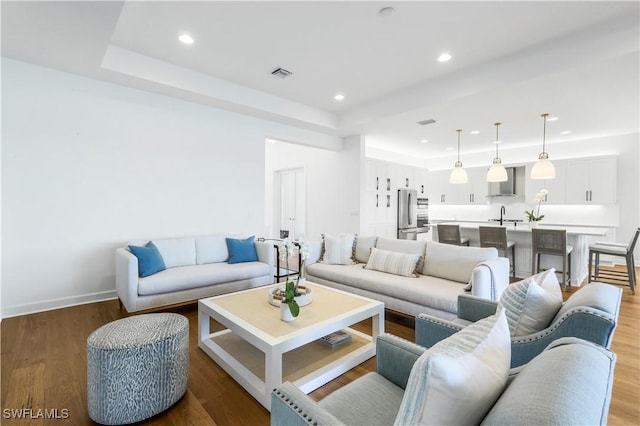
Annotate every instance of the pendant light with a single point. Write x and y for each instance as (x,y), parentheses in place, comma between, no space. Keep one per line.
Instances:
(458,174)
(497,172)
(543,169)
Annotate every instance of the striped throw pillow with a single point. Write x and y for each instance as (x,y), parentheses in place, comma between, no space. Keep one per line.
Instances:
(338,250)
(529,307)
(457,381)
(393,263)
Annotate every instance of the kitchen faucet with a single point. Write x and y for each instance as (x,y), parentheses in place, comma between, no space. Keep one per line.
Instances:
(503,211)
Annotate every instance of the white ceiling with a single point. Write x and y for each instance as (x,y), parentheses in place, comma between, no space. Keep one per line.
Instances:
(512,61)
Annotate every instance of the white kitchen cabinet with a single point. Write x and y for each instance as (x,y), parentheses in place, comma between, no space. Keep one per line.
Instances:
(422,182)
(591,180)
(475,190)
(556,187)
(472,192)
(440,190)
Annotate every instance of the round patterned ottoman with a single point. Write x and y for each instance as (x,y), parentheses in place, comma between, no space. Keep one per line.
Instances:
(137,367)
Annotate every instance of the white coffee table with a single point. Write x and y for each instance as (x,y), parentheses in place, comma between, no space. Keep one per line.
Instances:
(260,351)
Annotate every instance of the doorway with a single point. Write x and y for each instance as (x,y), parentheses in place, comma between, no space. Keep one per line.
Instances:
(289,203)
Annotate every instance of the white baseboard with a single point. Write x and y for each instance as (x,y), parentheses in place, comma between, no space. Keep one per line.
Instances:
(48,305)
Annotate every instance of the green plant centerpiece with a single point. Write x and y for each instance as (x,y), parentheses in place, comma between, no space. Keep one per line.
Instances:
(293,289)
(534,214)
(290,289)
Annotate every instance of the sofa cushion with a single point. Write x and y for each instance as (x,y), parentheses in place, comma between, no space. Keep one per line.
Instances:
(241,250)
(393,263)
(177,251)
(338,250)
(149,259)
(377,398)
(403,246)
(529,307)
(363,247)
(454,262)
(457,381)
(437,293)
(187,277)
(211,249)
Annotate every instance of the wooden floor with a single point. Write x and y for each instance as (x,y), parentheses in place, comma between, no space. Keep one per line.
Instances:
(43,367)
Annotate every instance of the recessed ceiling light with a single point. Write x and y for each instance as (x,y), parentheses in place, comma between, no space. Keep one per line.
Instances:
(497,142)
(565,132)
(186,39)
(449,149)
(474,132)
(339,97)
(386,11)
(444,57)
(424,140)
(552,119)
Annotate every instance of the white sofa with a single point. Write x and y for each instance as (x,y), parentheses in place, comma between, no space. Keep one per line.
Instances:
(195,268)
(444,273)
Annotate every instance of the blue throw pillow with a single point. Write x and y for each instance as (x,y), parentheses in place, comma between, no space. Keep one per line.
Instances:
(242,250)
(150,260)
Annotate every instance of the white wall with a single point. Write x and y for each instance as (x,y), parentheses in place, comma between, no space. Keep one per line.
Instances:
(88,165)
(332,184)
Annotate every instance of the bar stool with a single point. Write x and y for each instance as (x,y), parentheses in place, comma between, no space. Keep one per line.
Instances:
(552,242)
(496,236)
(615,249)
(450,234)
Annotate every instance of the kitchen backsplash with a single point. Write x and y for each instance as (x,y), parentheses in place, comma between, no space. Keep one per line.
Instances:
(580,215)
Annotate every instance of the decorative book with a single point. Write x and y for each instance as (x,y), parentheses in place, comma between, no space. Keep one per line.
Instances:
(336,338)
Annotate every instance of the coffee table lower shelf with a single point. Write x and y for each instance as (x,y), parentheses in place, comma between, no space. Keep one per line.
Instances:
(308,367)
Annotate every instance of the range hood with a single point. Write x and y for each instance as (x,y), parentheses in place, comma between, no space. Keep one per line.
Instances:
(504,189)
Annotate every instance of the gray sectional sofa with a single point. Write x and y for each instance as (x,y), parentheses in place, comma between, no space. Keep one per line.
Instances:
(444,272)
(195,268)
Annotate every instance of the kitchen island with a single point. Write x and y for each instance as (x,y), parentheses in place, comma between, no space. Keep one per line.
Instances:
(577,236)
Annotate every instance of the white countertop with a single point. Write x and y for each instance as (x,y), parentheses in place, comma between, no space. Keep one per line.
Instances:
(524,227)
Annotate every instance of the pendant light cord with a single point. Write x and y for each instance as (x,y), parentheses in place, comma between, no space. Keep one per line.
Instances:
(459,130)
(544,131)
(497,139)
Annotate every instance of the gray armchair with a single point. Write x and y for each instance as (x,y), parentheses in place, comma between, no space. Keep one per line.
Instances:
(569,366)
(591,313)
(372,399)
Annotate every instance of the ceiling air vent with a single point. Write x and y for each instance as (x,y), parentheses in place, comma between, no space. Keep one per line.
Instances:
(427,121)
(281,72)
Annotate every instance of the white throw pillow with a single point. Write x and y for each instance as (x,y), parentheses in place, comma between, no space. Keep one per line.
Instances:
(457,381)
(363,247)
(338,250)
(403,246)
(529,307)
(393,263)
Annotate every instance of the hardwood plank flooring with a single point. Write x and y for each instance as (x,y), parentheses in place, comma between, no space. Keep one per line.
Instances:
(43,367)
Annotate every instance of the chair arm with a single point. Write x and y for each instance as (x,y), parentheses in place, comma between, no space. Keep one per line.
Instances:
(583,322)
(472,308)
(291,407)
(490,278)
(395,358)
(127,278)
(265,250)
(430,330)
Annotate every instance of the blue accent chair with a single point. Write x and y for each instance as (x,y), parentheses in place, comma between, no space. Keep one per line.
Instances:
(591,313)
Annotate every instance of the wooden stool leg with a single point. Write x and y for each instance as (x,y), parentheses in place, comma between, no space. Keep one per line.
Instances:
(631,273)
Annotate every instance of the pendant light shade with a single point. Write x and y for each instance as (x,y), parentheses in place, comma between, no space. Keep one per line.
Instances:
(458,174)
(497,172)
(543,169)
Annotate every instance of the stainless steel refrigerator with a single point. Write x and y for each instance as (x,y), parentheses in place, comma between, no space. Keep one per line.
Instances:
(407,214)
